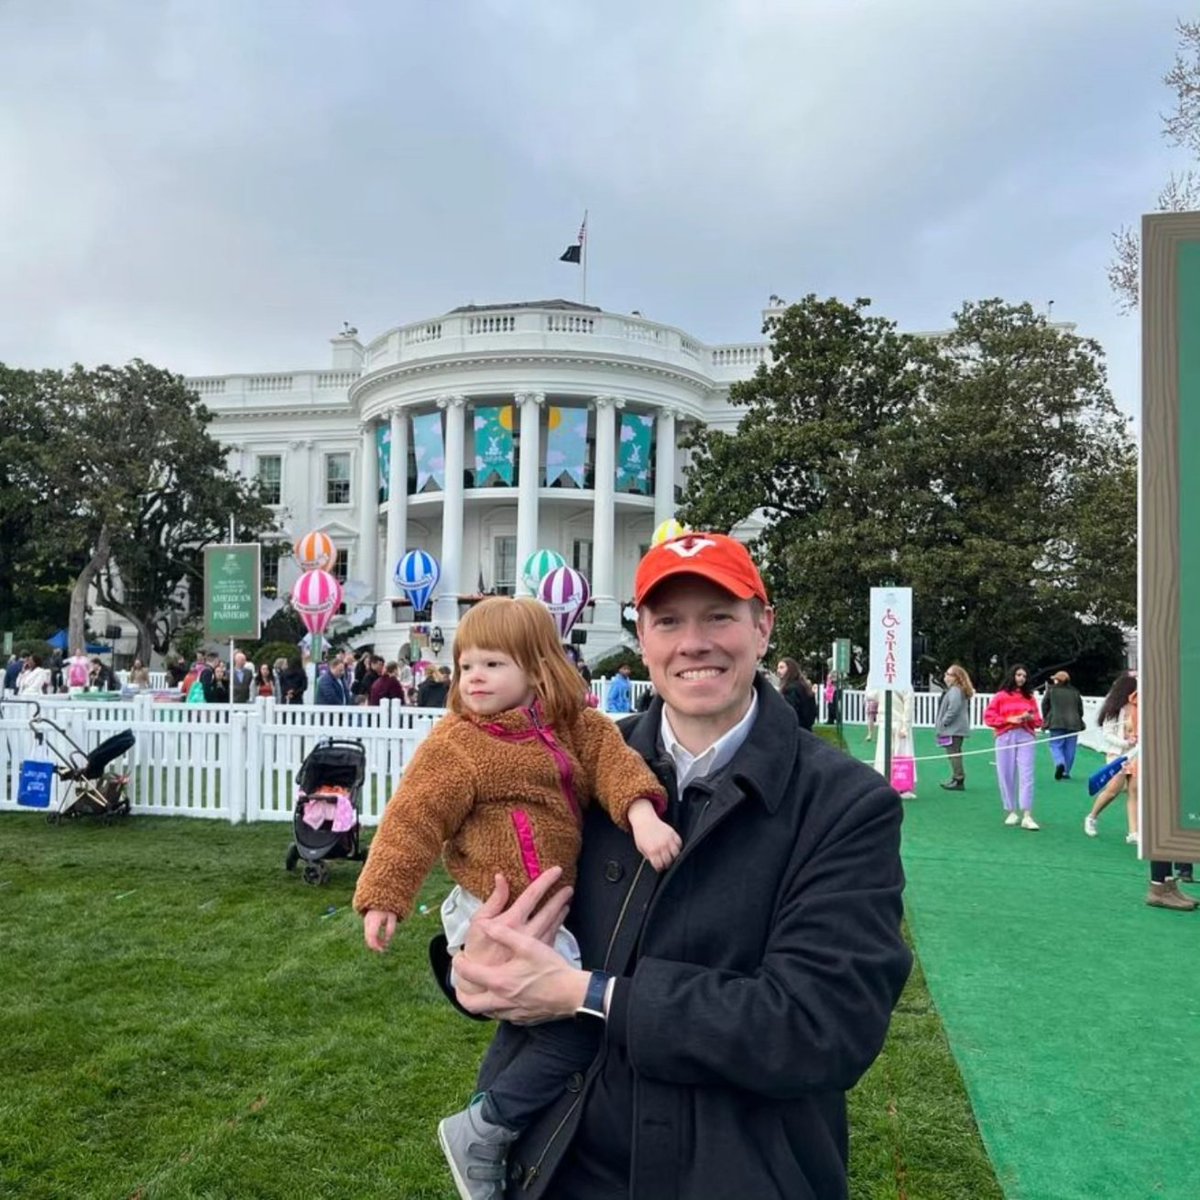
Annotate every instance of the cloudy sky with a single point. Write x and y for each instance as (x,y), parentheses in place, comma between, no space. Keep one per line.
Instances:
(216,185)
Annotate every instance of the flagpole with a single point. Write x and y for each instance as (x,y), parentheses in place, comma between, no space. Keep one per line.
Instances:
(585,246)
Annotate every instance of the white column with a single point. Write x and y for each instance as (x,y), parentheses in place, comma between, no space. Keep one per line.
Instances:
(530,404)
(664,467)
(445,607)
(397,512)
(368,510)
(604,513)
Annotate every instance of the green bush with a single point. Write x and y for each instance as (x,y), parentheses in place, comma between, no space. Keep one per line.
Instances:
(607,666)
(268,652)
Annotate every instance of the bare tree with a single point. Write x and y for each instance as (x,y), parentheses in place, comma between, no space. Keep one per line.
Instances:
(1182,191)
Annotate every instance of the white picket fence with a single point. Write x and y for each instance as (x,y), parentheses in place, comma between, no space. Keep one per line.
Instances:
(229,762)
(239,762)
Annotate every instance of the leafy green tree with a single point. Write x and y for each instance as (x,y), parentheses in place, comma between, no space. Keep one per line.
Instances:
(819,457)
(110,479)
(38,556)
(989,469)
(165,494)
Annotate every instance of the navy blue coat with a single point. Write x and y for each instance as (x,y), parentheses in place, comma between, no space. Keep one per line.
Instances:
(757,977)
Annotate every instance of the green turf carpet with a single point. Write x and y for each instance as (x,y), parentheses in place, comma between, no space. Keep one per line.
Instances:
(1072,1008)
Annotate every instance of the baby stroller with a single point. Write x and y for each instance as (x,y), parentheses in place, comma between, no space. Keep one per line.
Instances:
(94,790)
(325,821)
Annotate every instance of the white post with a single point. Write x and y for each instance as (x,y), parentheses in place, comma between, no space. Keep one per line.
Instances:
(229,675)
(530,404)
(235,769)
(368,510)
(445,607)
(664,467)
(604,511)
(397,512)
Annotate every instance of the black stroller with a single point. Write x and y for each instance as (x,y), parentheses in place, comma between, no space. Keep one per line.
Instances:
(329,793)
(94,790)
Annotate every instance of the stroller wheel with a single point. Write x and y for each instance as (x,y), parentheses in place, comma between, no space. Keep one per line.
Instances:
(293,857)
(316,873)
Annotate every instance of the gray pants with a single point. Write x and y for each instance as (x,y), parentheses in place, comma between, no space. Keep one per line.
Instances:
(954,754)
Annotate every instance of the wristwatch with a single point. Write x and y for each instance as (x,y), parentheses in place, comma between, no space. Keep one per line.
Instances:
(593,1000)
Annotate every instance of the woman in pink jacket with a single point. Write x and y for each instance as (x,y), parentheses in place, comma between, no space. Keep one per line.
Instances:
(1014,717)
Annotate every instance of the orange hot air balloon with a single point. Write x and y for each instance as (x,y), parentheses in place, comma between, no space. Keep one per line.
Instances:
(315,551)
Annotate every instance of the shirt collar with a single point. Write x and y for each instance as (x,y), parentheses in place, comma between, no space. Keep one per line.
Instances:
(688,766)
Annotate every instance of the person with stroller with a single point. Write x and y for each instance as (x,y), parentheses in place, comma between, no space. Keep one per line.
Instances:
(502,783)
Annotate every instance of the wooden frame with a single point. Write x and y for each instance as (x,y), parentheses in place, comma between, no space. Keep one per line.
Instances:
(1169,538)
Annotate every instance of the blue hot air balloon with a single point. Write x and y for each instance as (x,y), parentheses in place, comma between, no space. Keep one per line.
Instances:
(417,574)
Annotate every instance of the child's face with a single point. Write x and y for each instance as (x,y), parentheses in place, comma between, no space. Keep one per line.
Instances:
(491,682)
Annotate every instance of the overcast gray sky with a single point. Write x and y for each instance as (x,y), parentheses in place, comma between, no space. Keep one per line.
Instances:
(215,186)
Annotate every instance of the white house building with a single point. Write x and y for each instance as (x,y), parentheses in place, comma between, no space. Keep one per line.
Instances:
(480,437)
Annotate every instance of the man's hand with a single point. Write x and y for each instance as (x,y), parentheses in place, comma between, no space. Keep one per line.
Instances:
(533,985)
(527,915)
(378,928)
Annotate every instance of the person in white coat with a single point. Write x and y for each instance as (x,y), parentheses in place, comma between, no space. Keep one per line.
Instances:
(902,739)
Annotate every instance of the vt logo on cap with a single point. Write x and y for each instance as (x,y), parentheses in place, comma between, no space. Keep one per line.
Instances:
(689,546)
(713,556)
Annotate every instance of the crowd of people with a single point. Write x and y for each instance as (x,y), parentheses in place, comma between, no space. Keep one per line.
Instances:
(29,675)
(342,679)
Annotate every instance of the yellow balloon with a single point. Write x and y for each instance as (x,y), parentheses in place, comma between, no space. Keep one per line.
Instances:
(670,528)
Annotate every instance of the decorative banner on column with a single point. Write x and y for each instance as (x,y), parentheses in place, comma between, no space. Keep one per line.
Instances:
(383,447)
(429,450)
(633,458)
(494,445)
(566,444)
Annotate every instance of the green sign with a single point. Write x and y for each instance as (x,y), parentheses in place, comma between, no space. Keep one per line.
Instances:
(232,584)
(841,656)
(8,641)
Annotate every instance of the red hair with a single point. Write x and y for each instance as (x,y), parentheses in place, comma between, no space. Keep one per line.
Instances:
(522,628)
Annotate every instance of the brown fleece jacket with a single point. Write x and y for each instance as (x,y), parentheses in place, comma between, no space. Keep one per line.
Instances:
(502,793)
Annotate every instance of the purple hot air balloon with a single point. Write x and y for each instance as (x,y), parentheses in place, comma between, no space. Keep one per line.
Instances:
(565,592)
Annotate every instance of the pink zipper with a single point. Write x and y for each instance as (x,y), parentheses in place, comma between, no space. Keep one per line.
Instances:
(545,735)
(526,843)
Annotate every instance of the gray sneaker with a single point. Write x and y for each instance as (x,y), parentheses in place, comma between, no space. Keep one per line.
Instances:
(476,1151)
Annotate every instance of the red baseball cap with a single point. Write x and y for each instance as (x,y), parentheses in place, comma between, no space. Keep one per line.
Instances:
(713,556)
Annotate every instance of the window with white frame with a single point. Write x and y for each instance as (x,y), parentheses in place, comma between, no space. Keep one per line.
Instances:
(341,572)
(504,564)
(337,478)
(581,556)
(270,478)
(272,552)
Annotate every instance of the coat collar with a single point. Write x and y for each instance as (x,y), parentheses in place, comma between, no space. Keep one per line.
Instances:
(511,720)
(763,765)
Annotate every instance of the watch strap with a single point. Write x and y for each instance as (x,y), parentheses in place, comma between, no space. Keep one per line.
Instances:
(593,1000)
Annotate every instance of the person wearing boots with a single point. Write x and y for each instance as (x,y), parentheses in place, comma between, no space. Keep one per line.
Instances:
(953,722)
(1062,710)
(1164,887)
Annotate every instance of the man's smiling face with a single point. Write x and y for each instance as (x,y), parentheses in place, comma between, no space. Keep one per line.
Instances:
(702,646)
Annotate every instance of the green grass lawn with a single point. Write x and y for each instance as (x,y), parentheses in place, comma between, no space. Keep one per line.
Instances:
(185,1021)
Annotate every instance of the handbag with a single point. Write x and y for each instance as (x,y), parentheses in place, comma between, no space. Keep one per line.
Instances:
(944,739)
(904,773)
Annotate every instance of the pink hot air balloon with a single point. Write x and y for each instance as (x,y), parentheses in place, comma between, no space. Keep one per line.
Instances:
(316,596)
(565,592)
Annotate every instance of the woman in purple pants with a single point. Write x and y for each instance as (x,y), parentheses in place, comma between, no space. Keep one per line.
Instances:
(1014,717)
